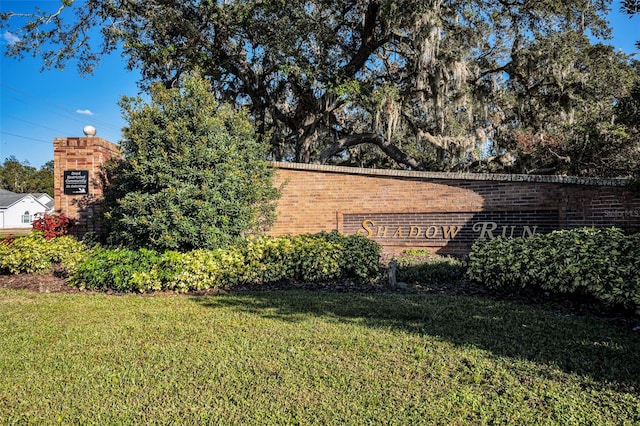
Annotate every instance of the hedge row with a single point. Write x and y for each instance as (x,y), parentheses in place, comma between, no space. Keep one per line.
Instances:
(34,253)
(305,258)
(603,263)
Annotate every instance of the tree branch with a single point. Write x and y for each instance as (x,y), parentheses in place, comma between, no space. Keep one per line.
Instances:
(388,148)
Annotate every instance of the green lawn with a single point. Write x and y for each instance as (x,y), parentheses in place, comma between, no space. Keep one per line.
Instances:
(296,357)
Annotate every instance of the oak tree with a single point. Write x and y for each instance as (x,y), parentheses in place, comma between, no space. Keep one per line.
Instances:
(420,84)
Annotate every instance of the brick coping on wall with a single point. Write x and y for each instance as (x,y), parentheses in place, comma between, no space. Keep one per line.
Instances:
(572,180)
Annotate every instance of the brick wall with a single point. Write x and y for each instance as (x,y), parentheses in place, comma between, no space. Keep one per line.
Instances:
(444,212)
(80,154)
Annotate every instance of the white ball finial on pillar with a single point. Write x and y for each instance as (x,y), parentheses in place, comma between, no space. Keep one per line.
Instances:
(89,131)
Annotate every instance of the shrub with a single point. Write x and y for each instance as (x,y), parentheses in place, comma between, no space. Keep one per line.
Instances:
(193,176)
(268,260)
(25,254)
(312,257)
(360,257)
(53,225)
(119,269)
(602,263)
(206,269)
(316,259)
(66,251)
(33,253)
(258,260)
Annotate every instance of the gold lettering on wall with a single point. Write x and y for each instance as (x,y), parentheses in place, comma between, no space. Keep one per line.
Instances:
(366,226)
(450,232)
(415,232)
(483,229)
(431,232)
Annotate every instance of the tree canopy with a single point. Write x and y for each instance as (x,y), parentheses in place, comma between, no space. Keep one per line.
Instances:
(22,178)
(631,7)
(193,175)
(496,85)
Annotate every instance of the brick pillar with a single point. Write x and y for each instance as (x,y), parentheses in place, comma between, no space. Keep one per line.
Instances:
(77,184)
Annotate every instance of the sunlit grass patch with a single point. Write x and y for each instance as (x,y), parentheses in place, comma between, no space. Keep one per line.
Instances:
(309,357)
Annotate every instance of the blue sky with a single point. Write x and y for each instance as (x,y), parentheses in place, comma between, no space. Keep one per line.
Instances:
(36,106)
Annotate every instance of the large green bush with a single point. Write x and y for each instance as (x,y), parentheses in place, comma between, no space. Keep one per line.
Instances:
(603,263)
(257,260)
(193,176)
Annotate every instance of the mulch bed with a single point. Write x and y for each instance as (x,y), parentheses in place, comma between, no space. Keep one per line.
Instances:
(45,282)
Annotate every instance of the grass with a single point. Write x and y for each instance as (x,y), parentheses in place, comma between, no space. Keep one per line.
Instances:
(296,357)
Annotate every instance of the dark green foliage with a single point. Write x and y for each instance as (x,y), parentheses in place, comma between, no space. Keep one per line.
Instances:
(416,266)
(603,263)
(315,259)
(359,257)
(631,7)
(306,258)
(193,175)
(20,177)
(118,269)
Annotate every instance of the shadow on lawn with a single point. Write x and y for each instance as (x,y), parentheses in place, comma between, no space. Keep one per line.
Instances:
(578,345)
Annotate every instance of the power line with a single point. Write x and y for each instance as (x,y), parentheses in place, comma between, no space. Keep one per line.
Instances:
(58,109)
(26,137)
(34,124)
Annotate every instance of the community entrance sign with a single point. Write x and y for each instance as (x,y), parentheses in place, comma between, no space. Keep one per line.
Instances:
(76,182)
(401,209)
(445,213)
(443,227)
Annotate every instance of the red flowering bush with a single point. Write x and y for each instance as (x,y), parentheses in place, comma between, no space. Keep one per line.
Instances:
(53,225)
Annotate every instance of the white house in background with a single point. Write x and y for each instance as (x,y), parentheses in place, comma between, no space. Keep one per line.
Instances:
(19,210)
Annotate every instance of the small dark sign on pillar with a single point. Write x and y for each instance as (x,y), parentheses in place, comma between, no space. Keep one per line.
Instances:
(76,182)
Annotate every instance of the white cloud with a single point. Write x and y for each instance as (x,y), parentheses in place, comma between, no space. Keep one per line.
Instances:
(10,37)
(84,111)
